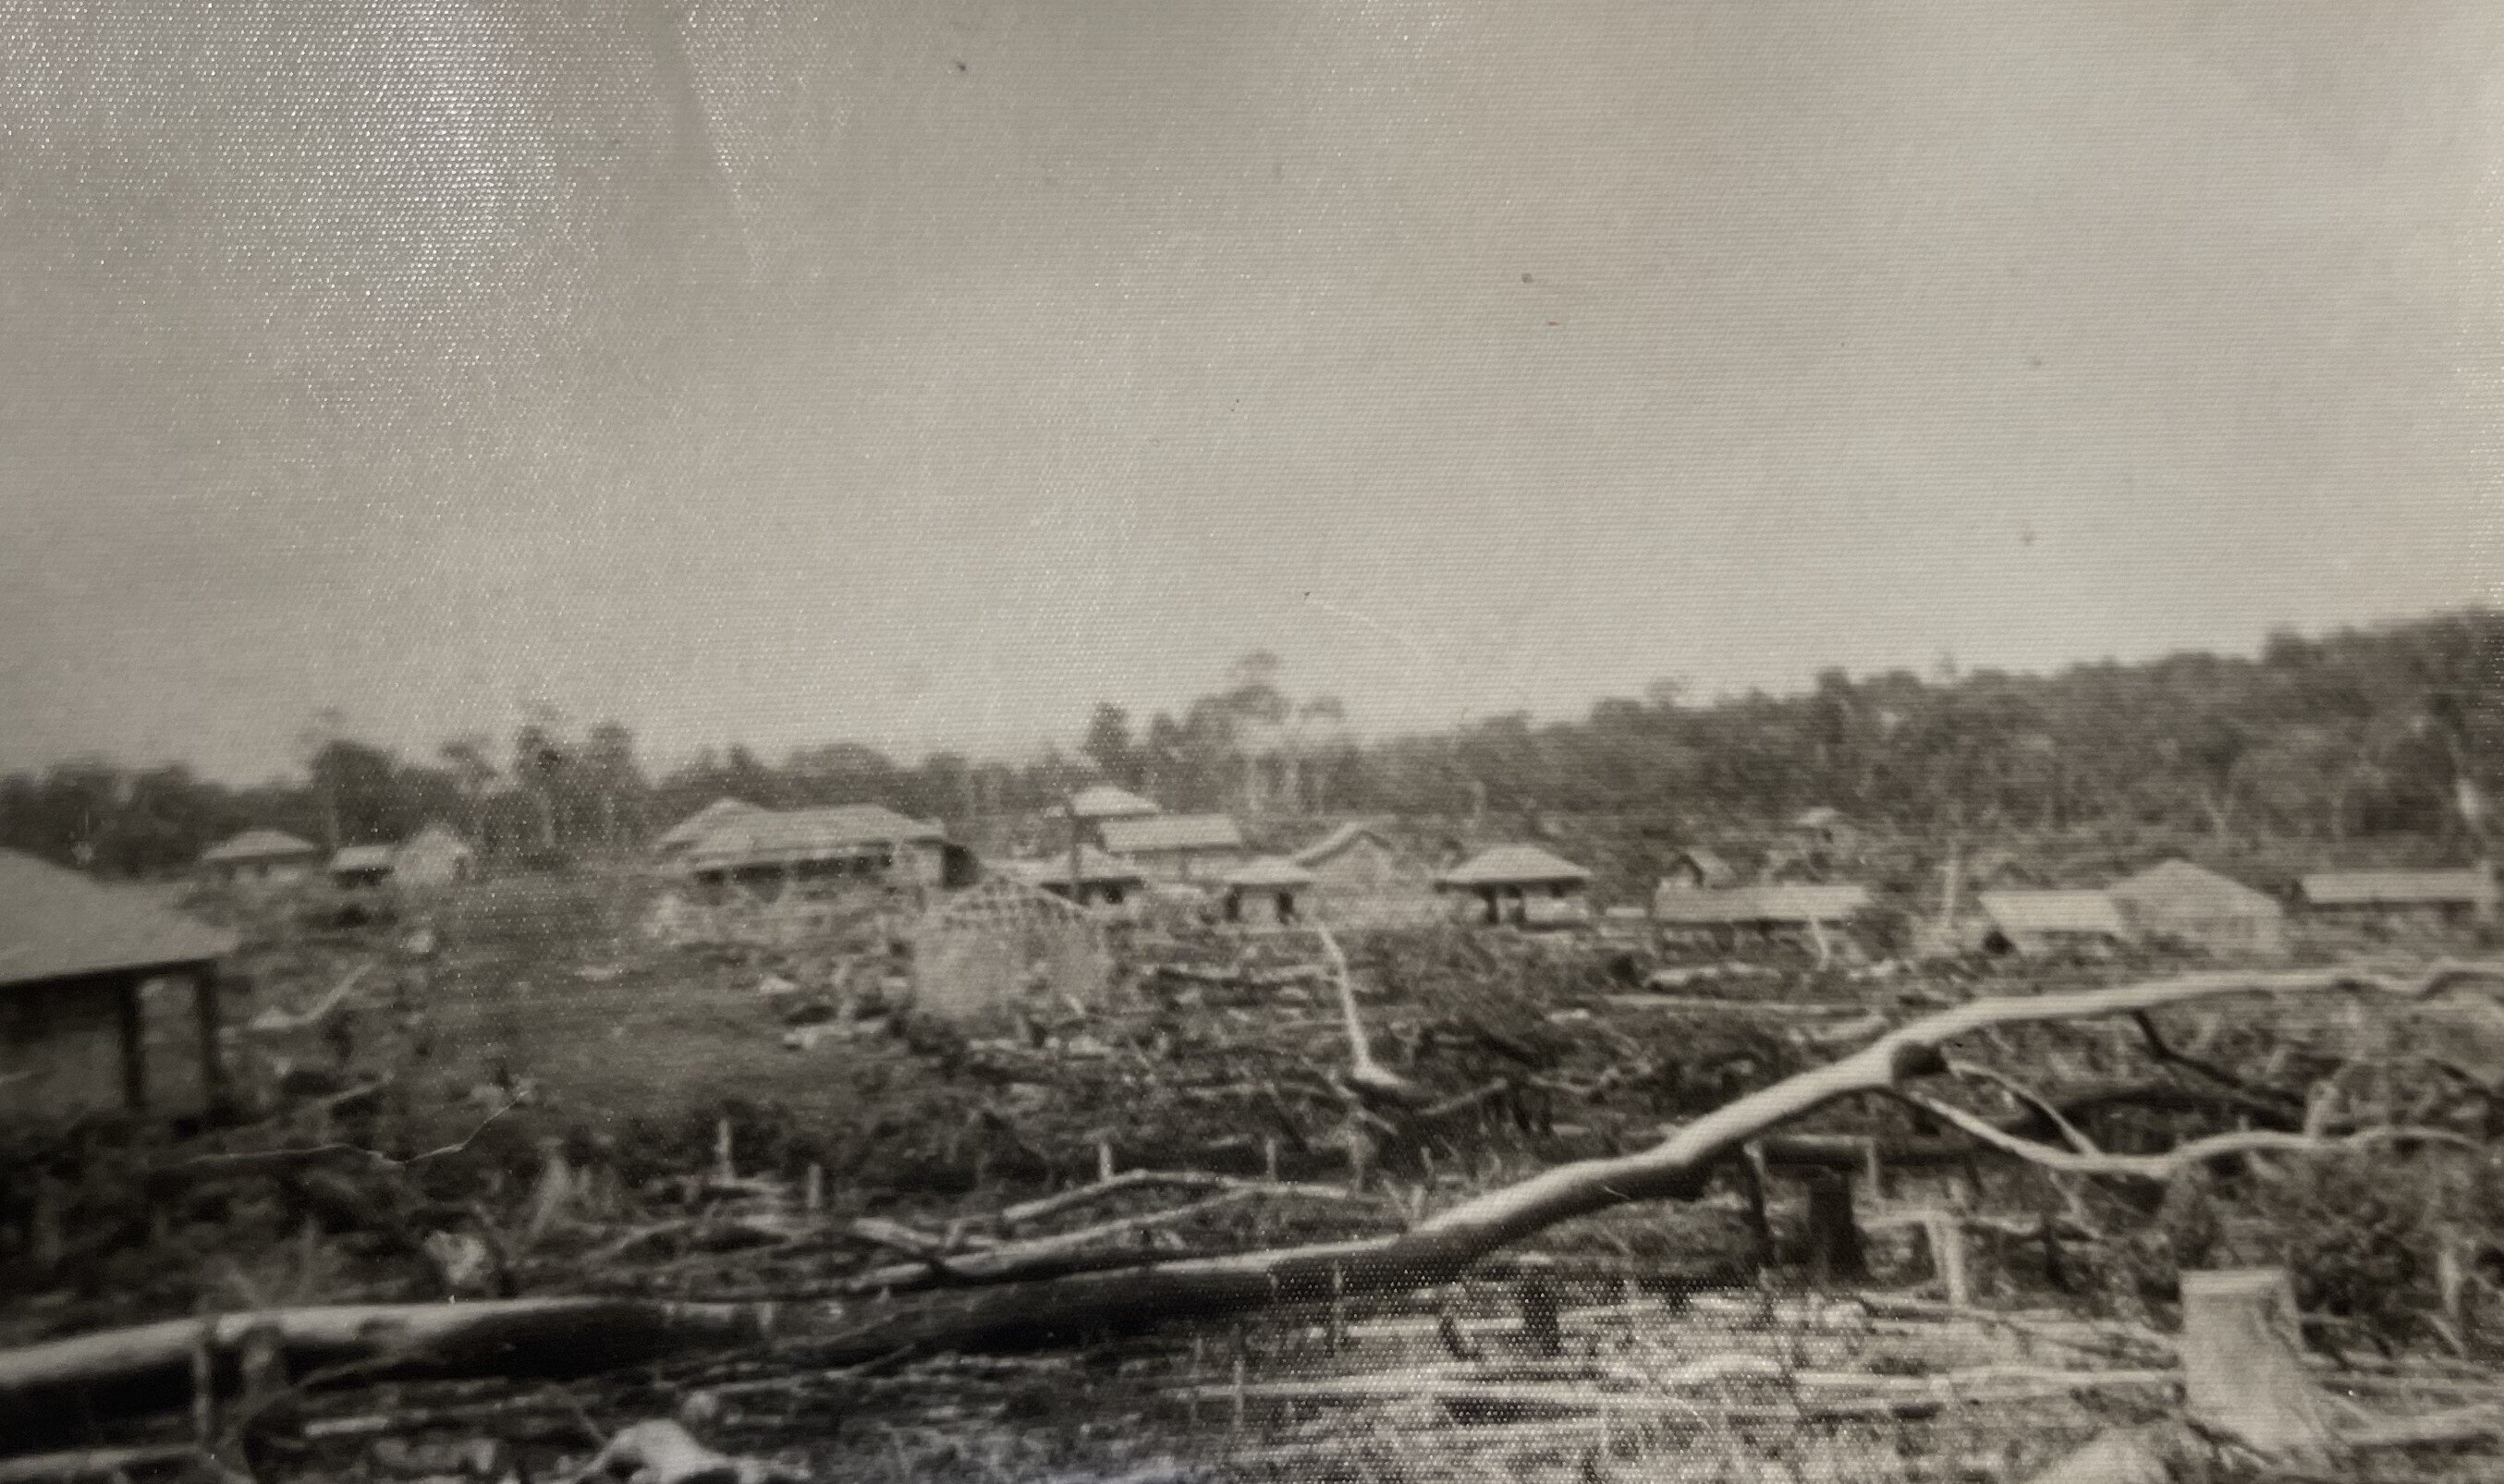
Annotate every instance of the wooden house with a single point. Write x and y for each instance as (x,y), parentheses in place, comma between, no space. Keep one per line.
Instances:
(1520,884)
(433,856)
(844,844)
(260,858)
(2034,923)
(1196,848)
(1102,879)
(1769,911)
(1361,878)
(80,964)
(1268,892)
(2187,904)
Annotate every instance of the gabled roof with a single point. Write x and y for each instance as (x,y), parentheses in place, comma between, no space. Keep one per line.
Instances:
(2090,913)
(1150,834)
(1104,801)
(2177,888)
(1777,904)
(1270,871)
(362,858)
(1094,868)
(1513,865)
(55,923)
(436,837)
(2464,885)
(759,836)
(695,826)
(1339,840)
(259,844)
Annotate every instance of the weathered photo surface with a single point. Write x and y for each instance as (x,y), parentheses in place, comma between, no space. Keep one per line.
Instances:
(1171,742)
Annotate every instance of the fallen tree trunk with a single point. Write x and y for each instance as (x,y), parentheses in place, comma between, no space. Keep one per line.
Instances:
(51,1391)
(148,1369)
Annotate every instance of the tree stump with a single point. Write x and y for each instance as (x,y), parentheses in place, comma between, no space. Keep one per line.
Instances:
(2242,1368)
(1834,1249)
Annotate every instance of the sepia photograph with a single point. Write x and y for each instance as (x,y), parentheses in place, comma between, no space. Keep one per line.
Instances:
(1251,742)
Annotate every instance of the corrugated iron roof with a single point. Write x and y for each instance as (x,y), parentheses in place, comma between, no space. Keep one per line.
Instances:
(2462,887)
(259,844)
(1152,833)
(1104,801)
(1783,904)
(775,837)
(696,826)
(2090,913)
(1515,865)
(2182,890)
(55,923)
(361,858)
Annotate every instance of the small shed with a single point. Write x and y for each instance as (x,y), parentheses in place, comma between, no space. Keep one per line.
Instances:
(1269,892)
(2463,893)
(1521,884)
(1178,848)
(433,856)
(1697,869)
(1826,828)
(75,956)
(978,953)
(1774,911)
(261,857)
(1362,878)
(1104,801)
(2050,921)
(361,868)
(687,833)
(1103,879)
(2191,904)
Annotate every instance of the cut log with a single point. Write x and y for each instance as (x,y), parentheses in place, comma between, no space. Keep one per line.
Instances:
(2125,1456)
(1835,1252)
(2242,1370)
(51,1391)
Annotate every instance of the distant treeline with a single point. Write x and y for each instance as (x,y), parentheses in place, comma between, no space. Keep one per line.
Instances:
(2387,731)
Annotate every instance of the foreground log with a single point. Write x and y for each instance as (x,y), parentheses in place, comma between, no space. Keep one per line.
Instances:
(51,1391)
(147,1368)
(2242,1372)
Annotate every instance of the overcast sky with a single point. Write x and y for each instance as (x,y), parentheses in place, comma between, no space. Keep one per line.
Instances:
(922,372)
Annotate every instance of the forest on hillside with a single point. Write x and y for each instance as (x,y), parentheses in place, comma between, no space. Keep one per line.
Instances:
(2372,732)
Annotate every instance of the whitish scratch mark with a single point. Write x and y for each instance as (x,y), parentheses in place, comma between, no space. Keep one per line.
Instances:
(1354,617)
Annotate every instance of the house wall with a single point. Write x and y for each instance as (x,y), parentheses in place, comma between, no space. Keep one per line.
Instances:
(1264,905)
(1203,867)
(60,1049)
(1367,885)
